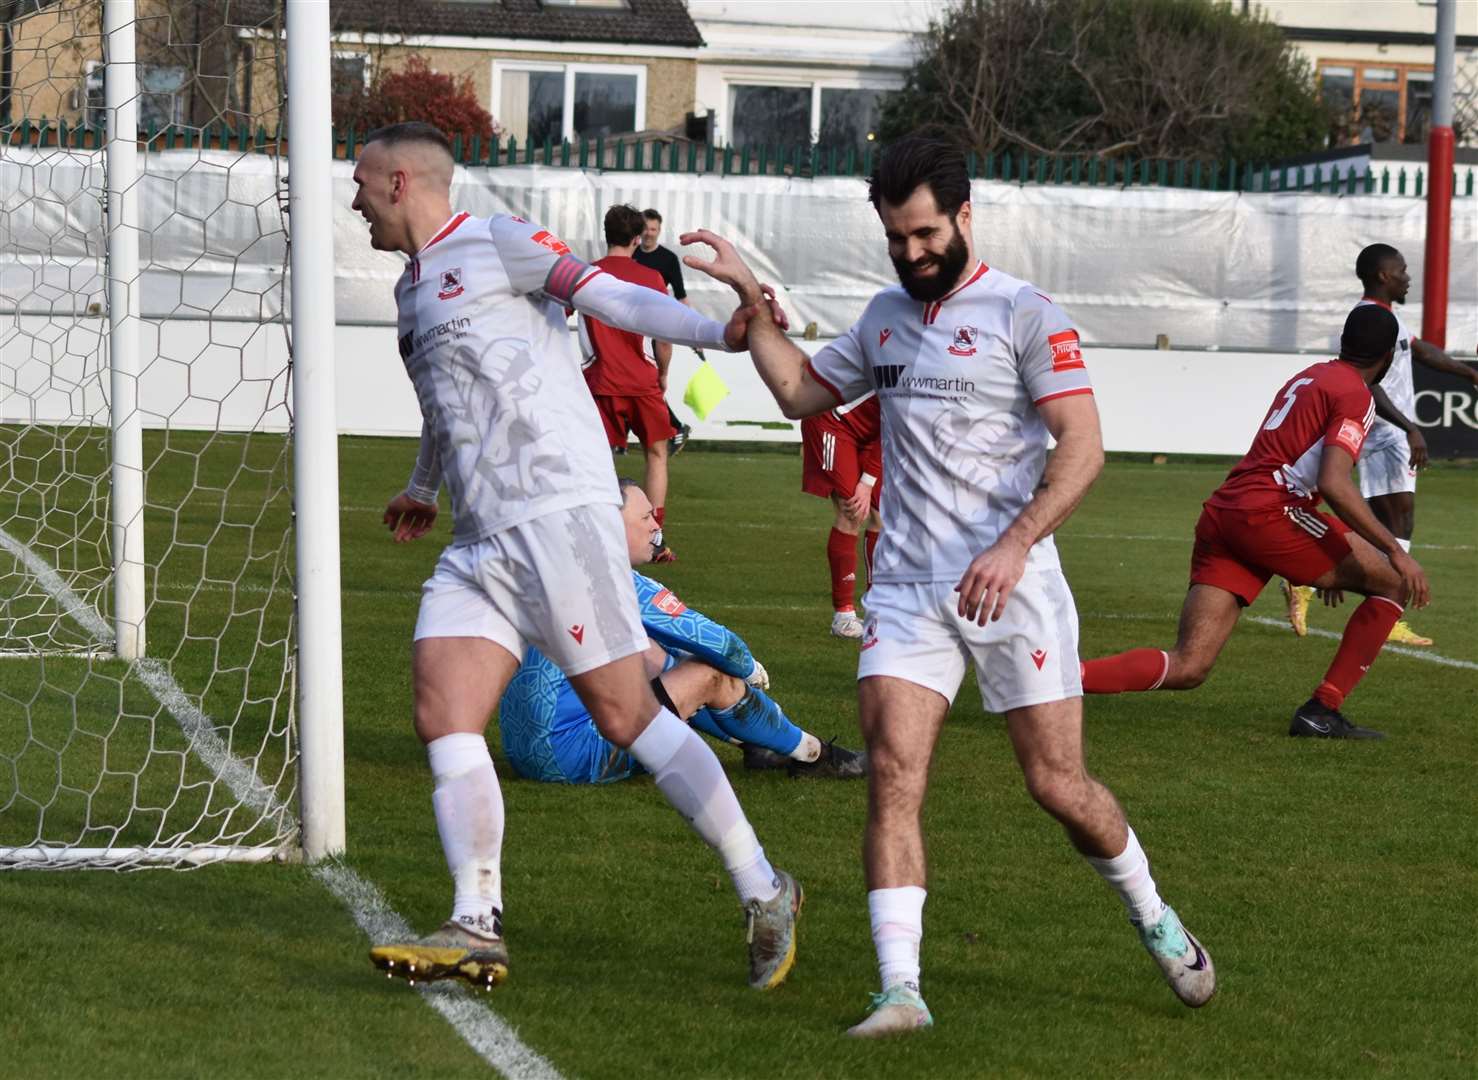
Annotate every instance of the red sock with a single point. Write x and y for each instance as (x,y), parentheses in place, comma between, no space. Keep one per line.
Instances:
(871,541)
(1137,669)
(841,553)
(1364,636)
(658,513)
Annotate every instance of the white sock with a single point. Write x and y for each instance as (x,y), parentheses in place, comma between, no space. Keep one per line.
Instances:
(897,928)
(1128,873)
(693,781)
(1405,545)
(469,817)
(808,749)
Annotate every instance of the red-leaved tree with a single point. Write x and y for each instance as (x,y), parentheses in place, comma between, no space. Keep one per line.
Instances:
(416,92)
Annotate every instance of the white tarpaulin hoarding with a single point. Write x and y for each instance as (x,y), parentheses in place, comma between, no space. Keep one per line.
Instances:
(1239,273)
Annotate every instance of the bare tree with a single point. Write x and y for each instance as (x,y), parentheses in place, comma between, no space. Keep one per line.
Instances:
(1154,78)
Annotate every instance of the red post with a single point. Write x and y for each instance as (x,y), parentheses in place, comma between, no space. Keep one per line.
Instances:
(1439,236)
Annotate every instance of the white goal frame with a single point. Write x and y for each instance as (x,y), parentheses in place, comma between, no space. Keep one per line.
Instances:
(317,673)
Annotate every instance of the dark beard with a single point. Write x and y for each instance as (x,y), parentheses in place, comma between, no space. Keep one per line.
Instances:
(951,265)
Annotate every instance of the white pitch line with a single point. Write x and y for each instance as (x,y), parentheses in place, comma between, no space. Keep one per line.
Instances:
(1399,650)
(487,1033)
(494,1040)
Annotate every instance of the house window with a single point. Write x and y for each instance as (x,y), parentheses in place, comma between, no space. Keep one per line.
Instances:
(1377,103)
(535,102)
(769,115)
(349,74)
(1418,107)
(829,116)
(849,117)
(161,96)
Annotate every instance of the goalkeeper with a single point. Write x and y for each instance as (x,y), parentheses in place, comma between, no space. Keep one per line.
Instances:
(702,671)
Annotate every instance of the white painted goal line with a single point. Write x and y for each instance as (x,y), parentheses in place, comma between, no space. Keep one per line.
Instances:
(488,1034)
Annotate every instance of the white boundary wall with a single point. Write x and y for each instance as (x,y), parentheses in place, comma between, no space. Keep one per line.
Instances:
(1267,273)
(1178,401)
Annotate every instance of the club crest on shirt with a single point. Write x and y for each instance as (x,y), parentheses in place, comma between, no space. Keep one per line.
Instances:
(451,284)
(964,344)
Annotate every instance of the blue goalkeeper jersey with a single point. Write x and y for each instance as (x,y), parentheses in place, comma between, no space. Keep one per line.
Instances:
(547,732)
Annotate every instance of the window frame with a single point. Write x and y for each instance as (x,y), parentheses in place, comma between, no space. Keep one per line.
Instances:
(1401,84)
(570,70)
(338,53)
(176,96)
(816,83)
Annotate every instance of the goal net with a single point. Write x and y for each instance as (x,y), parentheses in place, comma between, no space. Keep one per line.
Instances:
(147,612)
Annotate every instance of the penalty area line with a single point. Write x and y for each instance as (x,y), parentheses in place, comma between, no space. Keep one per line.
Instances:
(488,1034)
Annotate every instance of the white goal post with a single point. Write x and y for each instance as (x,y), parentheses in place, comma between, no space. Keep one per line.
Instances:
(168,453)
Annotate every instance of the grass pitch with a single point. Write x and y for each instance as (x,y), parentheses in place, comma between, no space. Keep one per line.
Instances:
(1333,883)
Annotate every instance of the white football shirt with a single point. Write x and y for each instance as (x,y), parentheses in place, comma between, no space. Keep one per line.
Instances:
(509,424)
(1397,383)
(959,381)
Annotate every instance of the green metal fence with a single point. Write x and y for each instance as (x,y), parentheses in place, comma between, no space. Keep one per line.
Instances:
(662,155)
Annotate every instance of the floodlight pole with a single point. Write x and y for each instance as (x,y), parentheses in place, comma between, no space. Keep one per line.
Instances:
(120,96)
(315,431)
(1439,182)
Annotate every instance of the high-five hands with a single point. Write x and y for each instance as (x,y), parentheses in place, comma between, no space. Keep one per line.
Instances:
(730,269)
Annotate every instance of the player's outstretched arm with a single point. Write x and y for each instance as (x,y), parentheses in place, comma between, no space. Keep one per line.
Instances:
(780,363)
(1345,500)
(1070,472)
(646,312)
(1386,409)
(1428,355)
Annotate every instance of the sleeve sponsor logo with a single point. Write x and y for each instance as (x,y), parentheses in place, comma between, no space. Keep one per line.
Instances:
(1066,355)
(964,343)
(547,239)
(668,604)
(451,284)
(1351,436)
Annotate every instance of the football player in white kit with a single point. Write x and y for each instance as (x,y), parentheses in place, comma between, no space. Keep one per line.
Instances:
(1395,451)
(538,553)
(973,369)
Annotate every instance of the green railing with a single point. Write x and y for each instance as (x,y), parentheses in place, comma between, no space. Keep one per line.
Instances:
(666,155)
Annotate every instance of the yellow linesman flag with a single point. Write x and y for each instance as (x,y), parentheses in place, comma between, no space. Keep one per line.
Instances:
(705,390)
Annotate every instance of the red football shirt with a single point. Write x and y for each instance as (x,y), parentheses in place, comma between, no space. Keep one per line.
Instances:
(1327,404)
(621,367)
(859,420)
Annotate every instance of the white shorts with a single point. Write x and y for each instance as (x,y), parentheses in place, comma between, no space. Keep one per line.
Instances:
(1027,657)
(561,582)
(1386,469)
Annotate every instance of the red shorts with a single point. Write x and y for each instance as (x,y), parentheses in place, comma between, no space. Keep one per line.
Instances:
(833,461)
(646,415)
(1239,550)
